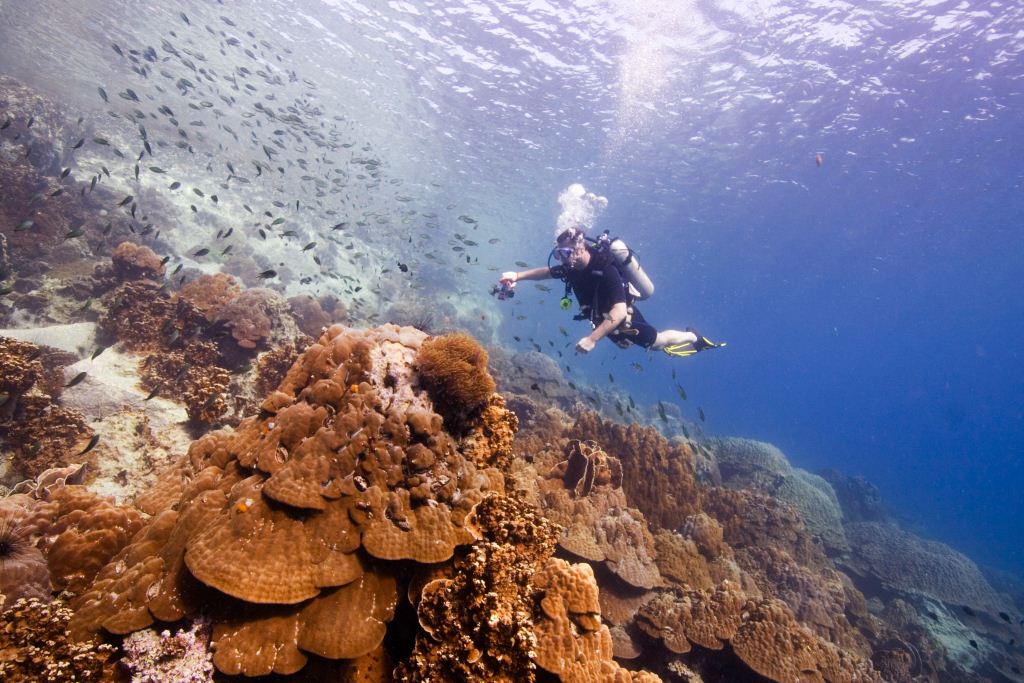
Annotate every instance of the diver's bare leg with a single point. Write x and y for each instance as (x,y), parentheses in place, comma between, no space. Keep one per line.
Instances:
(672,338)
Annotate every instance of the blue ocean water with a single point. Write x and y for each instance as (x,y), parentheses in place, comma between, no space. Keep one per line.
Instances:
(870,300)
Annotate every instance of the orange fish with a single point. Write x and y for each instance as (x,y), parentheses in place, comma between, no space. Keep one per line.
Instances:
(818,159)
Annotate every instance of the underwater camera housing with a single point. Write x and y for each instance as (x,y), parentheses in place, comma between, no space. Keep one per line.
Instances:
(503,290)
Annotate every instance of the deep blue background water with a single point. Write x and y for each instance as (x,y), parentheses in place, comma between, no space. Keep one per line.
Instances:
(874,324)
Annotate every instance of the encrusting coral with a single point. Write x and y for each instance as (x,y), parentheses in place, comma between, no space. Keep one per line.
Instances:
(81,532)
(280,527)
(658,477)
(583,494)
(915,565)
(55,536)
(725,562)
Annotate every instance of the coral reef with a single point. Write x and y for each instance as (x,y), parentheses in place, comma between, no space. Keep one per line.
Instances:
(657,477)
(247,316)
(478,624)
(453,370)
(309,316)
(35,647)
(583,494)
(571,640)
(191,374)
(914,565)
(745,463)
(37,432)
(81,532)
(859,499)
(20,369)
(182,657)
(210,293)
(136,262)
(143,317)
(272,365)
(488,442)
(279,527)
(57,536)
(23,572)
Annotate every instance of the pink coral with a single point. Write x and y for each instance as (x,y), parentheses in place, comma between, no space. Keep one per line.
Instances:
(135,262)
(184,657)
(247,316)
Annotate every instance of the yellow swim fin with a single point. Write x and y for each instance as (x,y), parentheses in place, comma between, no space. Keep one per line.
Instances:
(690,348)
(680,350)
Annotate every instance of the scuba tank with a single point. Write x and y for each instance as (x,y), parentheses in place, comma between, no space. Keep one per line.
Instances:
(640,285)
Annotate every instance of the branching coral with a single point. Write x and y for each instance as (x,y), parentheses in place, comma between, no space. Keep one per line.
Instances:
(43,435)
(489,442)
(453,370)
(272,365)
(143,317)
(182,657)
(20,369)
(136,262)
(192,375)
(38,432)
(478,624)
(35,647)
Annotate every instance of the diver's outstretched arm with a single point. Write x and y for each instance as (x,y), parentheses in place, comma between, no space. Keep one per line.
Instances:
(532,274)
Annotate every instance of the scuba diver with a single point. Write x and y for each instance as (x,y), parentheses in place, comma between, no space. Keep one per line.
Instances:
(606,279)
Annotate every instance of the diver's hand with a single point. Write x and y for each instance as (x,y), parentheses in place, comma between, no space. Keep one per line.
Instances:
(585,345)
(511,277)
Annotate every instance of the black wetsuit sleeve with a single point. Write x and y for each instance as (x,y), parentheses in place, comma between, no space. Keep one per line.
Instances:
(612,291)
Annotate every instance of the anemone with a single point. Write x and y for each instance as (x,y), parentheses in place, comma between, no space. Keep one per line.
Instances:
(23,571)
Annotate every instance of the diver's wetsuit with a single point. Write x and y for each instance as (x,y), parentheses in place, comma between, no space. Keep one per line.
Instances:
(600,286)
